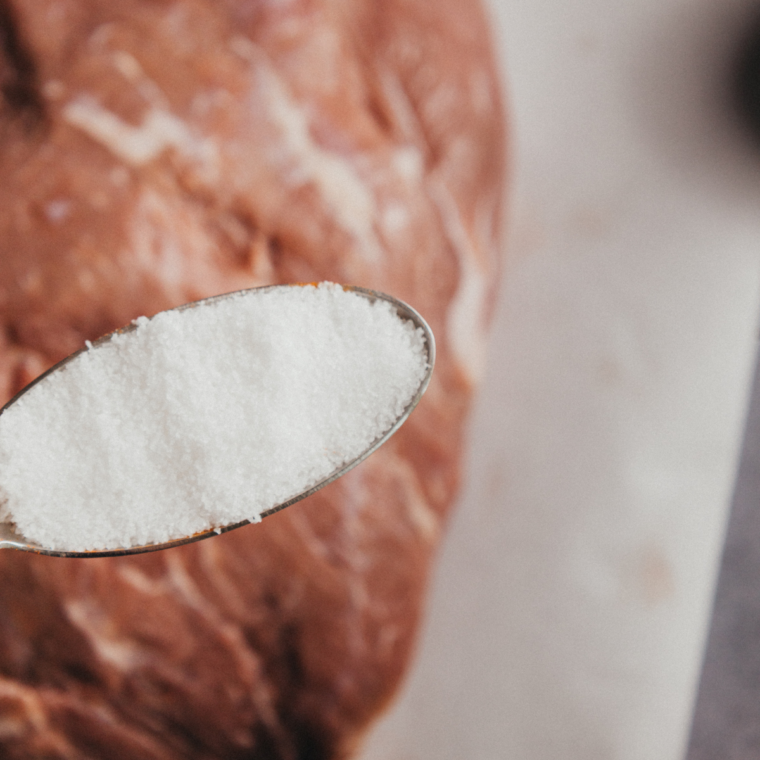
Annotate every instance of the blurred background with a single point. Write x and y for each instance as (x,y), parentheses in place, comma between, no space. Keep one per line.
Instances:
(572,597)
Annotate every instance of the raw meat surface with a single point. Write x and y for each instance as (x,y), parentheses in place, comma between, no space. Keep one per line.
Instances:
(155,152)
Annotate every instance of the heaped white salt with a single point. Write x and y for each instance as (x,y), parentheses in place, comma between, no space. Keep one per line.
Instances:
(204,417)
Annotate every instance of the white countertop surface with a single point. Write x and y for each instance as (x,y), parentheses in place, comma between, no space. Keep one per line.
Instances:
(572,596)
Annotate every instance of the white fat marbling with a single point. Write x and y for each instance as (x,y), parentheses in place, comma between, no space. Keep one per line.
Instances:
(98,629)
(140,144)
(346,192)
(465,327)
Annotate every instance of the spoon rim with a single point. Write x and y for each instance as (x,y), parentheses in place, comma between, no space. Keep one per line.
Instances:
(9,539)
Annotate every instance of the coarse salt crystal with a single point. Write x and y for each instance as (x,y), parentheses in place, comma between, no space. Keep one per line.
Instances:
(205,417)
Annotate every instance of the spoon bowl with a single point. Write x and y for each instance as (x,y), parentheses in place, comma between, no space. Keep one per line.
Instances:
(11,539)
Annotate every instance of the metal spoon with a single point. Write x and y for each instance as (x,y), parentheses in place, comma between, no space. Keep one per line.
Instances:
(10,539)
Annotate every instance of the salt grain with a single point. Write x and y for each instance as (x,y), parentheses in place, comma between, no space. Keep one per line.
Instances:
(205,417)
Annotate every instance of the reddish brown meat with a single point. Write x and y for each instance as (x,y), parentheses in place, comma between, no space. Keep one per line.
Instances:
(154,152)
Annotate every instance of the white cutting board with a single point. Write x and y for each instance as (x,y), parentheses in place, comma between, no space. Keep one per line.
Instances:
(571,599)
